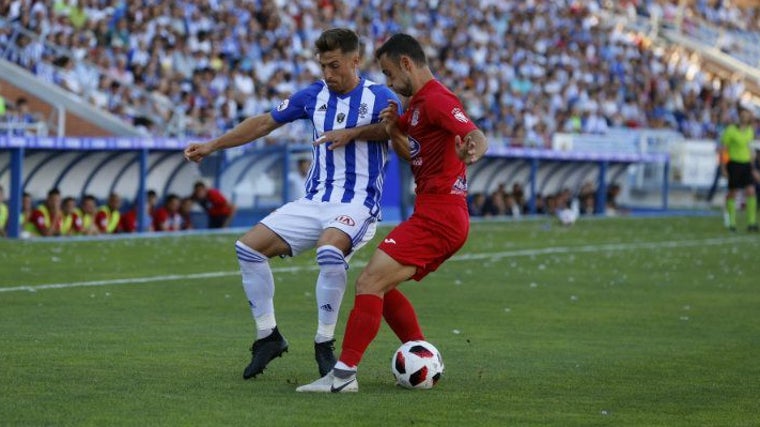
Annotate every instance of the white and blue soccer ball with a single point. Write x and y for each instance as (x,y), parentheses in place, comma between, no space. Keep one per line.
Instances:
(417,365)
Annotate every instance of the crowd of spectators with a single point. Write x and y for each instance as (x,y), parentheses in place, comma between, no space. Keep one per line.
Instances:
(524,70)
(65,216)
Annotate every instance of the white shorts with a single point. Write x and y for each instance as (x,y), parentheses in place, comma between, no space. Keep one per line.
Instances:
(301,222)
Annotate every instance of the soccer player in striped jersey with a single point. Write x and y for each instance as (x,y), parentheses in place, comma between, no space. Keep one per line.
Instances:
(341,205)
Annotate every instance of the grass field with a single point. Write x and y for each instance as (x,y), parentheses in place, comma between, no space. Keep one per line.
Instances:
(611,322)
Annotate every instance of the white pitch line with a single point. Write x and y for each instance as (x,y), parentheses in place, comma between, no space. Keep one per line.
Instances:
(464,257)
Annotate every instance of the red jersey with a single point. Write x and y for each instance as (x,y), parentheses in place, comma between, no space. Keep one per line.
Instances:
(434,117)
(215,203)
(128,221)
(163,220)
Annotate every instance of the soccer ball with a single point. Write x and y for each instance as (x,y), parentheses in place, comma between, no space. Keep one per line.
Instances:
(417,365)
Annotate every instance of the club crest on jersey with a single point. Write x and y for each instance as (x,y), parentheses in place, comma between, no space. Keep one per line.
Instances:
(459,115)
(415,117)
(363,110)
(283,105)
(341,117)
(345,220)
(414,147)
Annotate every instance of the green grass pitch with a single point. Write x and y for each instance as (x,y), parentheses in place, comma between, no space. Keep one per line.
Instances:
(610,322)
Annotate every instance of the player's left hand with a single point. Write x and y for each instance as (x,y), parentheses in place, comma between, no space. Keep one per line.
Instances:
(338,138)
(466,149)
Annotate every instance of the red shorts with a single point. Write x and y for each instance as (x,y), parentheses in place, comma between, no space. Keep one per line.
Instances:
(435,231)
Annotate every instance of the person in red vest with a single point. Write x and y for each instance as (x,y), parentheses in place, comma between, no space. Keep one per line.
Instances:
(129,219)
(220,211)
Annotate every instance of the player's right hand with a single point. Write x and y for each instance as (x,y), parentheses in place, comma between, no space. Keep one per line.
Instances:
(389,114)
(195,152)
(337,138)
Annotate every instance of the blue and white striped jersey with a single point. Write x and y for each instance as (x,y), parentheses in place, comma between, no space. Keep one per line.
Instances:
(350,174)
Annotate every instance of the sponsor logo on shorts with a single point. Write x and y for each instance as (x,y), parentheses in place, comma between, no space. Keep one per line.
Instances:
(389,241)
(283,105)
(346,220)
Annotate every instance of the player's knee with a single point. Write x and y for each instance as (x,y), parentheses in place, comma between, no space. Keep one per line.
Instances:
(369,283)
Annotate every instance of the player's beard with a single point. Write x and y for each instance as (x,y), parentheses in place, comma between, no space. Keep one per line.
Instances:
(404,90)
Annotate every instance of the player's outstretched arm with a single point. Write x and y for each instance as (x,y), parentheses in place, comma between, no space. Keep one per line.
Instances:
(472,147)
(248,130)
(342,137)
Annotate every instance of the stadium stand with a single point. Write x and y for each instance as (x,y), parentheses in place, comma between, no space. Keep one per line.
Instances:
(526,71)
(187,68)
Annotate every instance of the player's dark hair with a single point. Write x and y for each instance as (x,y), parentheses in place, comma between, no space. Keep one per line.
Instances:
(337,38)
(151,193)
(89,197)
(402,44)
(170,197)
(199,184)
(67,199)
(54,192)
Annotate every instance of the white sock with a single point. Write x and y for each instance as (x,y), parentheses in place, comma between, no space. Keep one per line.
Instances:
(342,366)
(258,284)
(331,284)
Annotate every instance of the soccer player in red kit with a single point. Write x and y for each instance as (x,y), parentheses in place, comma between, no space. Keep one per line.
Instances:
(438,139)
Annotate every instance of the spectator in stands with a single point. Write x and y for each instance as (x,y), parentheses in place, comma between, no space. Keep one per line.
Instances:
(108,218)
(22,117)
(86,212)
(46,219)
(220,211)
(593,122)
(168,217)
(3,213)
(71,222)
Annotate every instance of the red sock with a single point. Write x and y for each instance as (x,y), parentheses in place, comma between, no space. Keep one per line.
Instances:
(363,324)
(400,316)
